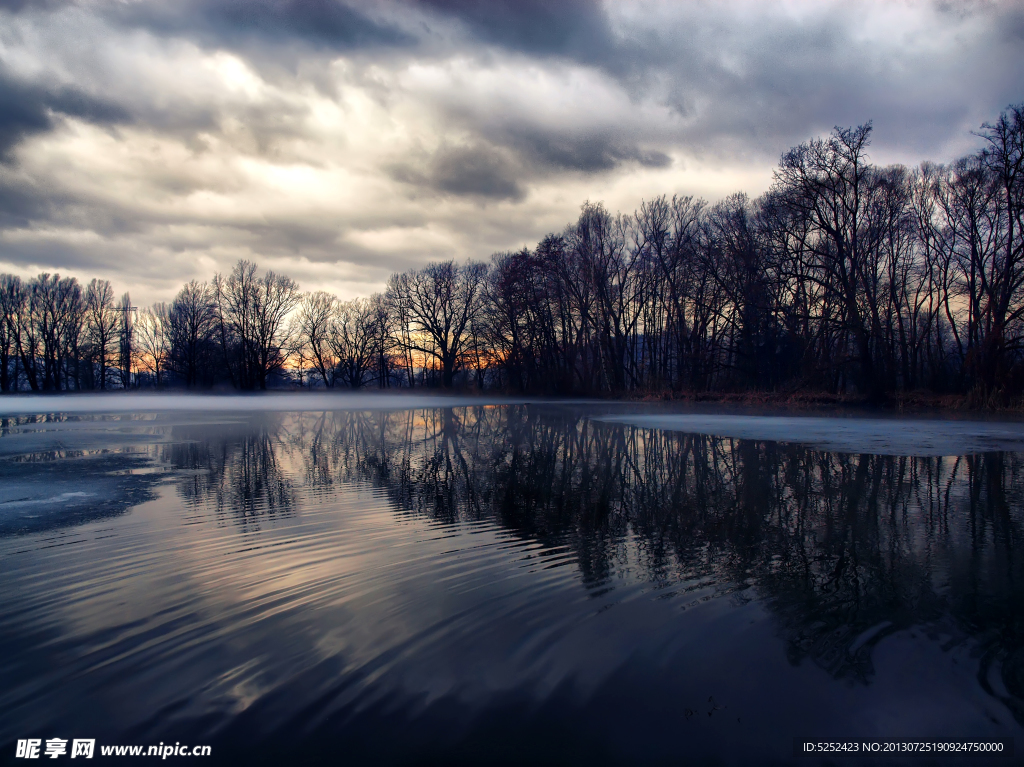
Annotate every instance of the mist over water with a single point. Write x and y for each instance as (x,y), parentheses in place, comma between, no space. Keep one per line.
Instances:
(511,583)
(121,402)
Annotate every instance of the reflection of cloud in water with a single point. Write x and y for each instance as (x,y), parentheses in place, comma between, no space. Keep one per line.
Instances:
(847,549)
(383,577)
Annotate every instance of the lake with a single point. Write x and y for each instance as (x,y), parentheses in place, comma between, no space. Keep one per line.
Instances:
(393,580)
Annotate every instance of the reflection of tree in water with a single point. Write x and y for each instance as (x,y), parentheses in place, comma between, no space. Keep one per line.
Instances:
(237,471)
(844,548)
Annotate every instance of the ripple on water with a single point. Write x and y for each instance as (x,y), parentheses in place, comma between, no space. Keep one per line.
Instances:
(426,581)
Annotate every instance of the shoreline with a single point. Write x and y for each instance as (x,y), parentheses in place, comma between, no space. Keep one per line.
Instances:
(958,405)
(897,403)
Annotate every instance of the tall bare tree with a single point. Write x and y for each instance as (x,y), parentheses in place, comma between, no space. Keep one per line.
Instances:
(192,326)
(313,335)
(126,340)
(442,300)
(826,182)
(353,341)
(153,341)
(251,313)
(14,303)
(101,319)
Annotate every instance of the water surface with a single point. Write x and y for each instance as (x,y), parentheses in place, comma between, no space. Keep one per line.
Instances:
(514,583)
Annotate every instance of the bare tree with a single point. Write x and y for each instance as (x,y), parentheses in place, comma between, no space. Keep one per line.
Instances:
(844,276)
(396,301)
(353,341)
(314,328)
(15,304)
(384,342)
(442,301)
(506,316)
(57,312)
(126,352)
(1004,159)
(192,325)
(251,315)
(101,319)
(8,353)
(153,341)
(826,182)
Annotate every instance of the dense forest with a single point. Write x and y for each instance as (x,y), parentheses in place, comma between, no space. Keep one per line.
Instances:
(844,277)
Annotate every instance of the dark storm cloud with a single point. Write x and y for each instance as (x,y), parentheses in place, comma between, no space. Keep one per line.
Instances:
(473,171)
(28,108)
(745,81)
(748,81)
(279,128)
(329,24)
(577,28)
(21,203)
(16,6)
(589,152)
(499,170)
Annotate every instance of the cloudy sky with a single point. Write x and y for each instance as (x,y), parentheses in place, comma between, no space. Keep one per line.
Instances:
(154,142)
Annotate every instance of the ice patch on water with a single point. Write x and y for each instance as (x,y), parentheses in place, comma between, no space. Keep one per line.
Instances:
(61,498)
(877,436)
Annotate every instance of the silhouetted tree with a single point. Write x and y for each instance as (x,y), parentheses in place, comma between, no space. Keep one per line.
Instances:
(251,316)
(153,341)
(441,302)
(192,325)
(101,325)
(843,277)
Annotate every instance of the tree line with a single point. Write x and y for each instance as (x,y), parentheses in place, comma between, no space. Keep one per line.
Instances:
(844,277)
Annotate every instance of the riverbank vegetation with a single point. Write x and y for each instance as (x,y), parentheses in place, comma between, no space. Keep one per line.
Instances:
(845,278)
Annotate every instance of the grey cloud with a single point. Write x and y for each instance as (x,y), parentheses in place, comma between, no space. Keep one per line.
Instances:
(29,108)
(747,87)
(576,28)
(329,24)
(315,240)
(128,245)
(1012,26)
(17,6)
(474,171)
(61,257)
(76,103)
(741,79)
(22,112)
(589,152)
(500,168)
(728,82)
(21,203)
(747,82)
